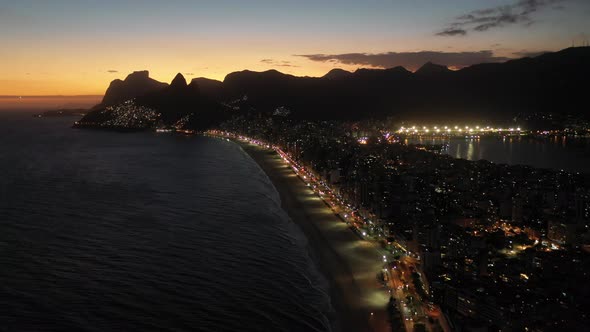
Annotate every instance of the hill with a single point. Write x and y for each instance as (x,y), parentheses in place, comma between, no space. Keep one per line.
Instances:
(179,105)
(135,84)
(550,82)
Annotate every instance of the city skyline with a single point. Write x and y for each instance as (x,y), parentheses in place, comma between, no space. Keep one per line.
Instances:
(43,55)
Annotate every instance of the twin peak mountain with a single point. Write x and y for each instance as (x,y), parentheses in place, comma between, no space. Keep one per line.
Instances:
(549,82)
(139,83)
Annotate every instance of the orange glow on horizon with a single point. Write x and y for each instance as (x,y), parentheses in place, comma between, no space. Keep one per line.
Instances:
(16,103)
(97,83)
(72,67)
(81,48)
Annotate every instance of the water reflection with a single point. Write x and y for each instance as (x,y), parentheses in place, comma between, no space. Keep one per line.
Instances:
(572,154)
(470,149)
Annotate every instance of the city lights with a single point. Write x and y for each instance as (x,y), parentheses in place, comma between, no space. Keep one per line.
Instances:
(457,130)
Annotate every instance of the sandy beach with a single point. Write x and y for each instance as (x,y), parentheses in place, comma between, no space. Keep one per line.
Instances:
(349,263)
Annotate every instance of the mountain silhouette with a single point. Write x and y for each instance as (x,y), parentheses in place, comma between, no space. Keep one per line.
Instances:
(136,84)
(180,100)
(336,73)
(178,82)
(430,68)
(549,82)
(208,87)
(178,104)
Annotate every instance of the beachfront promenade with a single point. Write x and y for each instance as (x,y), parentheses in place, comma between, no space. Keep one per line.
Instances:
(350,264)
(352,259)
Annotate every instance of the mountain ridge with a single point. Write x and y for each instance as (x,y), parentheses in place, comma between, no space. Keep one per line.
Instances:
(551,81)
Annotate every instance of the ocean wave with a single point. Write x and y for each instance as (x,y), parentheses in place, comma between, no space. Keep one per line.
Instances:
(105,231)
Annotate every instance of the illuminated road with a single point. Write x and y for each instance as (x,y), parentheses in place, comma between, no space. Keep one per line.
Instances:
(353,263)
(356,255)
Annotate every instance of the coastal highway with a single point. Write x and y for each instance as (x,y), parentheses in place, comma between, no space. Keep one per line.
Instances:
(350,263)
(355,258)
(346,214)
(419,310)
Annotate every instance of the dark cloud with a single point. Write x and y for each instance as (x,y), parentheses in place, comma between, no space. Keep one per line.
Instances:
(452,32)
(112,71)
(275,63)
(409,60)
(520,12)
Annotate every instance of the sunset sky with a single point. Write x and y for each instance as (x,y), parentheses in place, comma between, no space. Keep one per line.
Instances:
(77,47)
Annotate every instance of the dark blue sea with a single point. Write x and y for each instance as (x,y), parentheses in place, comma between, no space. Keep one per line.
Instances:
(103,231)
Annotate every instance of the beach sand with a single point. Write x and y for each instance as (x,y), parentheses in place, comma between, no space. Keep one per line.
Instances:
(350,264)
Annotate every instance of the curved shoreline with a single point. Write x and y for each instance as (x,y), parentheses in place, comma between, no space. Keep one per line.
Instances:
(348,263)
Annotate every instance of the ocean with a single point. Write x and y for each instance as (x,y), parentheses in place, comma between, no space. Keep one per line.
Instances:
(146,232)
